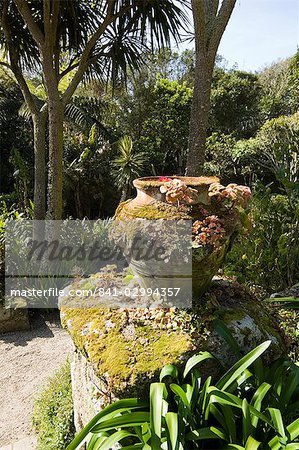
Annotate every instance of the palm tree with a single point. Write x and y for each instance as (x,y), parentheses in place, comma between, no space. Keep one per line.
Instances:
(127,166)
(104,37)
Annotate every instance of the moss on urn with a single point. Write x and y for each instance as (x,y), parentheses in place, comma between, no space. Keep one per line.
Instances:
(217,213)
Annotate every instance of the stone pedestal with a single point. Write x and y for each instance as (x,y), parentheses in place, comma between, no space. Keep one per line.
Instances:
(90,392)
(119,352)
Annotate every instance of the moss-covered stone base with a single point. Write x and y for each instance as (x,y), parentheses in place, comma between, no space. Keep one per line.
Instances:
(123,349)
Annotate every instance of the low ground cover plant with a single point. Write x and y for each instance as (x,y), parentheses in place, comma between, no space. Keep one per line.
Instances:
(53,412)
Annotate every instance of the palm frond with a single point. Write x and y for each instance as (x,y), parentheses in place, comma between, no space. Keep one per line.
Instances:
(147,23)
(155,20)
(86,112)
(76,116)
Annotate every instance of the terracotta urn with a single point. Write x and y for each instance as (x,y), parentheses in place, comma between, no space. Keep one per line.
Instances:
(216,214)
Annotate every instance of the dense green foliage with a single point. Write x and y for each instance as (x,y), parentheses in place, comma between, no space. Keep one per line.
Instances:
(253,140)
(15,144)
(271,257)
(280,88)
(89,188)
(53,412)
(164,133)
(246,408)
(7,213)
(138,125)
(235,103)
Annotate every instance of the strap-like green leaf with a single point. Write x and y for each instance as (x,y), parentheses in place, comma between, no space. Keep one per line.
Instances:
(257,400)
(238,368)
(196,384)
(114,439)
(172,423)
(196,359)
(246,420)
(226,334)
(225,398)
(134,447)
(293,430)
(126,420)
(157,392)
(203,434)
(169,371)
(127,403)
(203,398)
(229,421)
(252,444)
(290,386)
(217,414)
(97,440)
(275,443)
(181,393)
(277,420)
(235,446)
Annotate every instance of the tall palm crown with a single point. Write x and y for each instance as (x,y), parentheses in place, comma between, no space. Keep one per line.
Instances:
(137,23)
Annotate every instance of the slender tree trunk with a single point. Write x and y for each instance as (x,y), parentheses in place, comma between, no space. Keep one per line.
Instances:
(50,64)
(210,20)
(199,116)
(55,159)
(39,131)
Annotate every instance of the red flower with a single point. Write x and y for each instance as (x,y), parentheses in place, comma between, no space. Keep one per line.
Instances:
(164,179)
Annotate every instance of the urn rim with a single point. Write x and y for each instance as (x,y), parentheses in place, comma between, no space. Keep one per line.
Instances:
(155,181)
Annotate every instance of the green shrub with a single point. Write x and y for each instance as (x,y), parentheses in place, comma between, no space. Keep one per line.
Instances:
(9,211)
(249,407)
(164,133)
(278,150)
(288,313)
(53,412)
(280,88)
(269,257)
(272,156)
(219,159)
(235,102)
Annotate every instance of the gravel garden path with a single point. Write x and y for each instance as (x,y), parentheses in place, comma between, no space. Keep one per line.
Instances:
(27,360)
